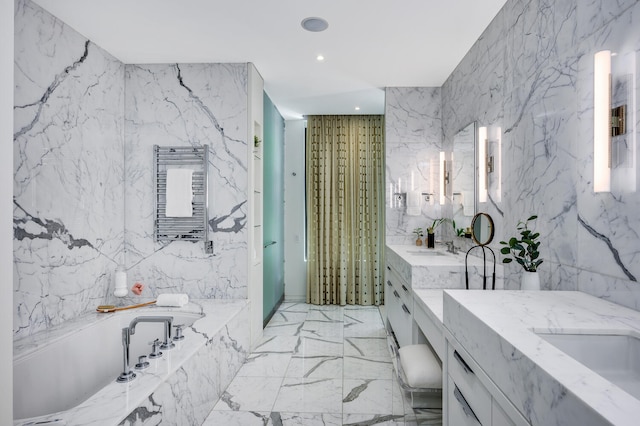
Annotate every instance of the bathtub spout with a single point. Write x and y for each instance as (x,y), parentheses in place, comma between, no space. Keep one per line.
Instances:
(127,375)
(167,320)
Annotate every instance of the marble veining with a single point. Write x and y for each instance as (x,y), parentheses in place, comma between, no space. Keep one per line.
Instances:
(84,125)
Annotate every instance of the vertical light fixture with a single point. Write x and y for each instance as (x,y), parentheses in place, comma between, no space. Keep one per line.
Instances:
(602,122)
(482,165)
(444,177)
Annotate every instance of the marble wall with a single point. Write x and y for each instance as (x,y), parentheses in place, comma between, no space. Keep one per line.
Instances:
(529,78)
(84,127)
(413,141)
(68,143)
(188,105)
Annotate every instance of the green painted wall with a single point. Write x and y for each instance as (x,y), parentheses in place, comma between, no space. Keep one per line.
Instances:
(273,216)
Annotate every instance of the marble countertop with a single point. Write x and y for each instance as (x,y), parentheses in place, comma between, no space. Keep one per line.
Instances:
(437,269)
(431,300)
(547,386)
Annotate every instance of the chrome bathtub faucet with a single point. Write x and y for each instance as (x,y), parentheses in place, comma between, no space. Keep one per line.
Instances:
(167,344)
(127,375)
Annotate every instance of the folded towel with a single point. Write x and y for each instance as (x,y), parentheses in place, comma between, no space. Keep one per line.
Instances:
(179,193)
(414,200)
(169,299)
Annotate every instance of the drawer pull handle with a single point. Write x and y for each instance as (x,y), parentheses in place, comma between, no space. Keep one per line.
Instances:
(404,308)
(405,289)
(465,406)
(464,365)
(388,268)
(395,293)
(389,283)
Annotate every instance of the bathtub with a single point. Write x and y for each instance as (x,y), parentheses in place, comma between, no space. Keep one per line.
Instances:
(67,375)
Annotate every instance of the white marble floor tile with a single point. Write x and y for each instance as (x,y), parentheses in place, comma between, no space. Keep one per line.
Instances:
(287,316)
(364,329)
(283,329)
(370,315)
(312,346)
(372,420)
(249,394)
(320,366)
(306,419)
(324,315)
(367,368)
(375,347)
(238,418)
(312,328)
(276,344)
(265,365)
(369,396)
(310,396)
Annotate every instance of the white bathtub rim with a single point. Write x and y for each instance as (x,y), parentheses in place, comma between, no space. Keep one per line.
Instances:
(148,381)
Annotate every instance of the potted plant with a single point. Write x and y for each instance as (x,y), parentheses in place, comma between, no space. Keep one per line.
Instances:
(524,250)
(431,238)
(256,141)
(419,235)
(459,231)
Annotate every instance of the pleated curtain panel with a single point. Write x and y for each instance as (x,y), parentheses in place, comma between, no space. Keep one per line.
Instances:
(345,209)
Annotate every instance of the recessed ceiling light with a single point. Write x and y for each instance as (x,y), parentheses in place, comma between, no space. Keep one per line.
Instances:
(314,24)
(320,58)
(357,108)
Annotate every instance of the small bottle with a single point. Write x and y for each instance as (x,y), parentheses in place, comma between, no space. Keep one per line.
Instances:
(121,282)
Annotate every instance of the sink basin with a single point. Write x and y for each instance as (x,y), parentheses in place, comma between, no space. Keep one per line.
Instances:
(425,252)
(614,356)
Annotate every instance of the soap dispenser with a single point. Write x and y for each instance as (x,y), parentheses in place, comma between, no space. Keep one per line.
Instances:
(120,282)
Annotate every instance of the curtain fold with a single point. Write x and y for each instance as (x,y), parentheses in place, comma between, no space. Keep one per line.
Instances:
(345,209)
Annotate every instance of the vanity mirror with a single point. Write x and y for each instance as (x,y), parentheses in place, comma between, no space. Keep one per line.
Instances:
(464,197)
(482,229)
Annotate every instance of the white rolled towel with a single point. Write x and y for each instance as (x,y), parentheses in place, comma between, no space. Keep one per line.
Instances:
(172,299)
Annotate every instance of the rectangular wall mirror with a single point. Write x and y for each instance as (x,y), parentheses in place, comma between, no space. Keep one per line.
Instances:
(463,173)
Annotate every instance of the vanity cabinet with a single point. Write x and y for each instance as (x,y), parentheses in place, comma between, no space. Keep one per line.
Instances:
(398,301)
(471,397)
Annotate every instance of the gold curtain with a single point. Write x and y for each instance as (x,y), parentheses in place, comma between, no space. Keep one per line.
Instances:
(345,209)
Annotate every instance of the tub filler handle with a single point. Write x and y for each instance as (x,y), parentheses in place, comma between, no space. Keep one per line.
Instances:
(127,375)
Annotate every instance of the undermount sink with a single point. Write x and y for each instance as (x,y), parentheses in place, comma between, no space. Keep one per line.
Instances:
(614,356)
(425,252)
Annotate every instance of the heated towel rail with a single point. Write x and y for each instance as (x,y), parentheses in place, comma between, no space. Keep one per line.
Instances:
(194,228)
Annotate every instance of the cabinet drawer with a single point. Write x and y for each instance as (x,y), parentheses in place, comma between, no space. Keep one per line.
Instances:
(458,410)
(461,369)
(431,330)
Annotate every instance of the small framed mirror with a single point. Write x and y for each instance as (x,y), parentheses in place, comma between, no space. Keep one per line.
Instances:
(482,229)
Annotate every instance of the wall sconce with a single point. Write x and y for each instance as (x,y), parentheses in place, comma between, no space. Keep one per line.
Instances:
(602,121)
(485,165)
(444,178)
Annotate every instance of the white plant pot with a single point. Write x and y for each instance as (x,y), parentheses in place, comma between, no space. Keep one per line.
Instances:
(530,281)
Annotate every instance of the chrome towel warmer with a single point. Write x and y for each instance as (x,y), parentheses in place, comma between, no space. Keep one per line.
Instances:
(195,228)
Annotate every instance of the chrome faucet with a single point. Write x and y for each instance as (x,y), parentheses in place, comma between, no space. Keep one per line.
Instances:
(167,344)
(127,375)
(451,247)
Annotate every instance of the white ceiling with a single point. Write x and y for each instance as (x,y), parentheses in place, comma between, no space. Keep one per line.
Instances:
(369,45)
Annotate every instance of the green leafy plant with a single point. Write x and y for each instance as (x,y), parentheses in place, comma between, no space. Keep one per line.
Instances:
(459,231)
(431,229)
(418,232)
(523,250)
(256,141)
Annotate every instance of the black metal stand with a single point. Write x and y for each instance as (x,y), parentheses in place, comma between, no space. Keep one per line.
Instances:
(484,267)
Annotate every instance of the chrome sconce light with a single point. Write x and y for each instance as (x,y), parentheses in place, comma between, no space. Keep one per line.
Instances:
(486,164)
(608,122)
(444,178)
